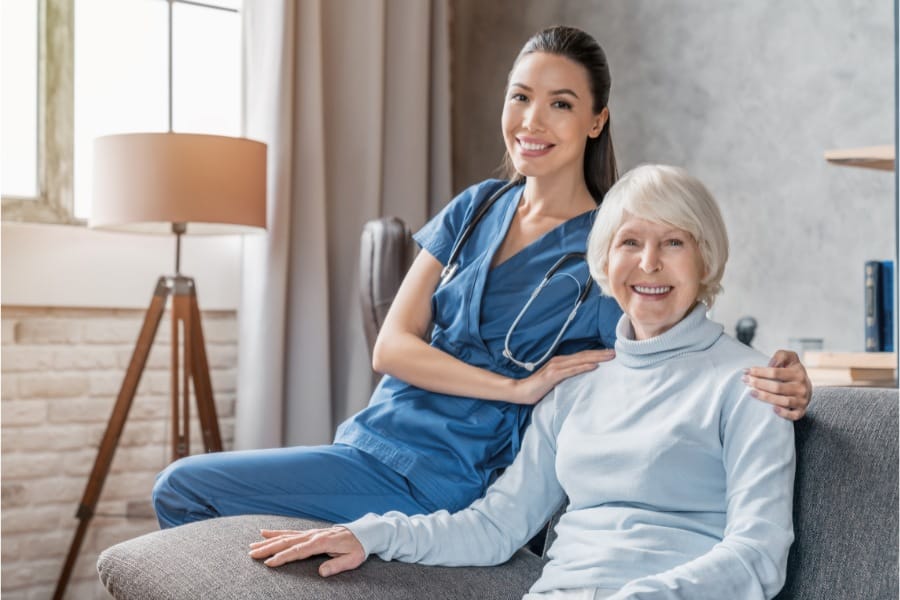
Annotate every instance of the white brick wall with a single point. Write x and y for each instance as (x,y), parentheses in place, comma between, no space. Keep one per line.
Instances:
(61,372)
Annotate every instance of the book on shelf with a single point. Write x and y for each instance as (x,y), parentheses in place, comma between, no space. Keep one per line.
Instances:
(851,376)
(879,305)
(859,360)
(887,305)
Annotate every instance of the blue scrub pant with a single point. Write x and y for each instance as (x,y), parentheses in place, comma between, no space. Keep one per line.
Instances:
(335,483)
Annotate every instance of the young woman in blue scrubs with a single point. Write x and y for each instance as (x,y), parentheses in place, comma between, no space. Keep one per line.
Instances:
(450,412)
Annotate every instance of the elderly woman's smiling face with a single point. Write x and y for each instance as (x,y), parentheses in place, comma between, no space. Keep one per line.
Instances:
(654,271)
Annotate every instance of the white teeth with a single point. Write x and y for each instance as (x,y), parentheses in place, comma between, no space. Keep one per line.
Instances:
(652,290)
(530,146)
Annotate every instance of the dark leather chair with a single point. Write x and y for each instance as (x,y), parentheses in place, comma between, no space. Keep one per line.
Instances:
(386,251)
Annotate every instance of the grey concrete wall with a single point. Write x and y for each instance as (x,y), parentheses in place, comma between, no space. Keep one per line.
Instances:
(747,96)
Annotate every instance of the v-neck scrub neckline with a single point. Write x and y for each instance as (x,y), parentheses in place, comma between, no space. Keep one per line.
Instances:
(559,231)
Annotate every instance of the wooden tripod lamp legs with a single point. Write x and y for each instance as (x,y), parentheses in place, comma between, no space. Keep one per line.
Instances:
(186,322)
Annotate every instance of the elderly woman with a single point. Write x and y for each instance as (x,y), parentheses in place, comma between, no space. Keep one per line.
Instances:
(678,483)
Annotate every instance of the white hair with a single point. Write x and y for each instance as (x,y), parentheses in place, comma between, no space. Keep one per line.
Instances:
(665,195)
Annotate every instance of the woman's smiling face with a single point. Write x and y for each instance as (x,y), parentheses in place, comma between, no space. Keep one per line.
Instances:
(655,271)
(548,115)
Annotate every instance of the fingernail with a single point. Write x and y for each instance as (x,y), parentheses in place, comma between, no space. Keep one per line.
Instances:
(325,572)
(754,393)
(746,371)
(745,379)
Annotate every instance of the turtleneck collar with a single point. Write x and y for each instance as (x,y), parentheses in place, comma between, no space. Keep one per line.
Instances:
(694,333)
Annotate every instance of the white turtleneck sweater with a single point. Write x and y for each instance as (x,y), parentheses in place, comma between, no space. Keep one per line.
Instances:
(679,483)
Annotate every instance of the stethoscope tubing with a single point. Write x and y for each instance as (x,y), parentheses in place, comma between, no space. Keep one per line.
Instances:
(530,366)
(452,266)
(449,271)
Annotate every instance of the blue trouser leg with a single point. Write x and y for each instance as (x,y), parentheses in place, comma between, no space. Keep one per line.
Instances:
(336,483)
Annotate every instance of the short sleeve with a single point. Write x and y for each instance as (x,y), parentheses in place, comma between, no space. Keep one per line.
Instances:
(439,234)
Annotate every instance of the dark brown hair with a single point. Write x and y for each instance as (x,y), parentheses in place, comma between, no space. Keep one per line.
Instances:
(600,171)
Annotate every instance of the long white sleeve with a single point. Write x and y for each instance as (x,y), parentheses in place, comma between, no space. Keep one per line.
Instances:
(490,530)
(750,562)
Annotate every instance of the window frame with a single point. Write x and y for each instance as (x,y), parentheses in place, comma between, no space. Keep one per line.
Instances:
(56,98)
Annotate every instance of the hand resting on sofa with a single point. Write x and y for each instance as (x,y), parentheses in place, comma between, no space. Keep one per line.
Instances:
(282,546)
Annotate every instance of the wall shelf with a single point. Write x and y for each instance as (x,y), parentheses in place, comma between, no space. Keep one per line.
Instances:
(870,157)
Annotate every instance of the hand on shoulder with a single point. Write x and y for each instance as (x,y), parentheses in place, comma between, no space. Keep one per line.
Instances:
(537,385)
(783,384)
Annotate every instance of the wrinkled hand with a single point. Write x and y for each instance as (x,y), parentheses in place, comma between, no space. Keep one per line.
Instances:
(534,387)
(783,383)
(286,545)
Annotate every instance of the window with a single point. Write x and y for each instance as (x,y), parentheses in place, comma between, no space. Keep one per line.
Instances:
(105,72)
(19,56)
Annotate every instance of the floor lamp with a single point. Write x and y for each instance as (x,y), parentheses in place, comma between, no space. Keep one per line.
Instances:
(177,184)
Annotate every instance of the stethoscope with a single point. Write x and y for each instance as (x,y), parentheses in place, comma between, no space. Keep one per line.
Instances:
(450,269)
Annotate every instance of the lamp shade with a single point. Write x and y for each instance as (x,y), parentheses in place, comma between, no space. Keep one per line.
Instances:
(145,182)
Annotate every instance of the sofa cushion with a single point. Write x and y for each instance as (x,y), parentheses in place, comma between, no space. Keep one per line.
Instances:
(845,520)
(209,560)
(845,497)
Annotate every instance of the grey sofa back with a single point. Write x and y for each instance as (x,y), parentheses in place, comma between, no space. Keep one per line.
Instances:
(845,498)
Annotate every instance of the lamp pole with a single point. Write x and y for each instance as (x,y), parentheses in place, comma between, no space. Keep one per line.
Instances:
(178,229)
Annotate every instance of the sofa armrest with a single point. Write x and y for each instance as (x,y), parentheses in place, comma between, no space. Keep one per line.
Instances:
(208,559)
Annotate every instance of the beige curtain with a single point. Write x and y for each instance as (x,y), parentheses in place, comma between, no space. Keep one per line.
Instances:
(352,98)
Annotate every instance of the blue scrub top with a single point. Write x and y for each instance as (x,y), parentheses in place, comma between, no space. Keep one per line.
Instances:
(450,447)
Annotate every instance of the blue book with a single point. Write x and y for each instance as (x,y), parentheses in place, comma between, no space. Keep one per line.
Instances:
(887,305)
(872,305)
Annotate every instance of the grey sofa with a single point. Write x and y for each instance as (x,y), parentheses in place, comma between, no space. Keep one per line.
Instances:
(845,518)
(845,511)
